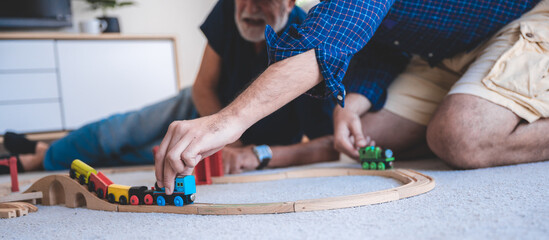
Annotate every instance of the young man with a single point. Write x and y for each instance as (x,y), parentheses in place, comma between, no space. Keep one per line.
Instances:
(476,126)
(234,56)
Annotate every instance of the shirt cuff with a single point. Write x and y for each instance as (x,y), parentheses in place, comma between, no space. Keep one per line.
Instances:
(277,52)
(376,94)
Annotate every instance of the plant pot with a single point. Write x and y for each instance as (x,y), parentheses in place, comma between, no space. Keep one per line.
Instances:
(112,24)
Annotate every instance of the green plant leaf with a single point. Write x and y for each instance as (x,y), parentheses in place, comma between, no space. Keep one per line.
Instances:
(107,4)
(125,4)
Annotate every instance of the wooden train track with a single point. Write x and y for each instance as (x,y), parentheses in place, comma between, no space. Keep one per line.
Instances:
(60,189)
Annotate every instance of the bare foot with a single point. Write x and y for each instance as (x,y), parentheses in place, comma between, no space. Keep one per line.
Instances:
(33,162)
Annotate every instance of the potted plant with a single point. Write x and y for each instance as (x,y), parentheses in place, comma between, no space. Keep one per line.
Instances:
(113,25)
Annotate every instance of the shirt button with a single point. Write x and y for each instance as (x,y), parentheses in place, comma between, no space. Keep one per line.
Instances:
(396,43)
(339,97)
(430,55)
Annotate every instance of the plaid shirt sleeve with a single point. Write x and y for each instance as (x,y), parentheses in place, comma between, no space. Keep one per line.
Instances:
(372,70)
(336,30)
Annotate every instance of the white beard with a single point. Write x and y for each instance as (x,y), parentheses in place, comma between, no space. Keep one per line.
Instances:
(257,34)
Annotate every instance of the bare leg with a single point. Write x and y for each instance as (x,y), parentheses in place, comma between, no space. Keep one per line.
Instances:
(406,138)
(471,132)
(32,162)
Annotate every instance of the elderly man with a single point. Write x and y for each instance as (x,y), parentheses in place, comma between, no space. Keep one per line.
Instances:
(425,47)
(234,56)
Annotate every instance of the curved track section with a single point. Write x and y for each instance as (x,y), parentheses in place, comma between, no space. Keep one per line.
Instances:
(61,189)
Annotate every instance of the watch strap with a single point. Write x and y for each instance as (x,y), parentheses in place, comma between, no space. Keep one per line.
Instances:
(264,154)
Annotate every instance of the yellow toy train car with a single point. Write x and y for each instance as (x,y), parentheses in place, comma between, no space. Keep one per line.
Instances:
(81,171)
(118,193)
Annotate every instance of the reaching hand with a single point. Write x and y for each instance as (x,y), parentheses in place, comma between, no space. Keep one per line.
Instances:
(188,142)
(348,135)
(237,159)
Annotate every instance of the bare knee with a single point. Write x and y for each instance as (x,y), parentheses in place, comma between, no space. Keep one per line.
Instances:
(454,147)
(458,135)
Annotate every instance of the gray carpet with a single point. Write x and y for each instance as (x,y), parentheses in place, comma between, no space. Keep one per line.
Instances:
(497,203)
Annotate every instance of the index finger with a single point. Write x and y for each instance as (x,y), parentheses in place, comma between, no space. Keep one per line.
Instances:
(169,178)
(159,157)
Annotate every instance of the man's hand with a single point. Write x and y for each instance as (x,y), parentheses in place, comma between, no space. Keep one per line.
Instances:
(237,159)
(348,135)
(188,142)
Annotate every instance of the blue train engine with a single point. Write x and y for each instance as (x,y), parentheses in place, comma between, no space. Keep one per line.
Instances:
(183,193)
(374,158)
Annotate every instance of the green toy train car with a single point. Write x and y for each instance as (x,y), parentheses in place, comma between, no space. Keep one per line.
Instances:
(373,158)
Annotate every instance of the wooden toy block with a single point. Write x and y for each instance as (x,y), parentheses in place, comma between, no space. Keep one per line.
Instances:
(22,197)
(11,162)
(216,164)
(205,169)
(16,209)
(32,208)
(7,213)
(19,209)
(202,172)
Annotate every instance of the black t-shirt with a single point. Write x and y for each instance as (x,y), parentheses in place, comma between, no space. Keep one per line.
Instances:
(240,65)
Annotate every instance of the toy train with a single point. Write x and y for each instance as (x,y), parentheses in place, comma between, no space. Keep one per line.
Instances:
(183,194)
(374,158)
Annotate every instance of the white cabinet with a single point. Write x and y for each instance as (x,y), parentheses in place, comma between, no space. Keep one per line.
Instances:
(99,78)
(65,82)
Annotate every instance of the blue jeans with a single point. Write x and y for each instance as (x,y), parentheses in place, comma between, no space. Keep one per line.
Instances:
(121,139)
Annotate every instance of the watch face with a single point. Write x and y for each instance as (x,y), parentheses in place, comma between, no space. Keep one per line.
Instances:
(263,154)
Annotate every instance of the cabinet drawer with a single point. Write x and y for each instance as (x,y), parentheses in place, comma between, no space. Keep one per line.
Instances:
(36,117)
(28,86)
(26,54)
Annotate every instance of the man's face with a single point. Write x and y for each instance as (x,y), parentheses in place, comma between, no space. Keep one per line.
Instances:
(251,17)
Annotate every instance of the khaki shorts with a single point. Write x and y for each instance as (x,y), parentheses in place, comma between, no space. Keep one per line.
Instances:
(511,69)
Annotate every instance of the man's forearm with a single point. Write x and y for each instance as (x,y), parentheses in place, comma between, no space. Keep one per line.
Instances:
(278,85)
(206,101)
(317,150)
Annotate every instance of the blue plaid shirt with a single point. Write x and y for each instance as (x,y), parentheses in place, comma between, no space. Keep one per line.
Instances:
(338,31)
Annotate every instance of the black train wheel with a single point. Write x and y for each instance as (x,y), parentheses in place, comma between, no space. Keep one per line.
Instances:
(91,186)
(72,174)
(111,198)
(82,179)
(123,200)
(100,193)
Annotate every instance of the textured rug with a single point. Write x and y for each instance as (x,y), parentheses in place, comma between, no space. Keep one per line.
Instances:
(496,203)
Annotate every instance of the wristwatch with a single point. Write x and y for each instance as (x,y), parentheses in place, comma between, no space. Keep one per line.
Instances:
(264,154)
